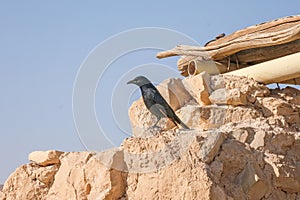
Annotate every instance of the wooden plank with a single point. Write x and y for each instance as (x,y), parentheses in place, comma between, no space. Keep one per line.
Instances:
(221,51)
(278,24)
(245,47)
(258,55)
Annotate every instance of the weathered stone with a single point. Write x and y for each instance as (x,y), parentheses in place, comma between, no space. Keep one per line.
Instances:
(217,192)
(1,194)
(242,135)
(219,96)
(275,106)
(247,178)
(83,176)
(233,97)
(140,118)
(290,94)
(217,82)
(253,186)
(211,146)
(259,140)
(258,190)
(174,92)
(213,116)
(232,90)
(178,180)
(216,170)
(249,152)
(288,184)
(27,183)
(45,158)
(198,87)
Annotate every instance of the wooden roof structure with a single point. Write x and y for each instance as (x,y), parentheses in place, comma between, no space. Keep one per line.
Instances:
(244,48)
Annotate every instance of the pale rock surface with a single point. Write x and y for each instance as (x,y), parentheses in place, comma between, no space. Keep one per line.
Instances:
(199,87)
(29,181)
(83,176)
(1,194)
(174,92)
(247,148)
(45,158)
(232,90)
(213,116)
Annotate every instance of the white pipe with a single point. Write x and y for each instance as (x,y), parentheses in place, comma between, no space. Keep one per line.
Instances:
(273,71)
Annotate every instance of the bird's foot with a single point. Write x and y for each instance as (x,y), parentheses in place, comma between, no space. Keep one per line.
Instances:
(155,127)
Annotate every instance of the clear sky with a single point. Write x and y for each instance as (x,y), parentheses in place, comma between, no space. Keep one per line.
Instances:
(43,44)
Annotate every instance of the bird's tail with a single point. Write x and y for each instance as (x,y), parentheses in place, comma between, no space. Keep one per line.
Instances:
(178,121)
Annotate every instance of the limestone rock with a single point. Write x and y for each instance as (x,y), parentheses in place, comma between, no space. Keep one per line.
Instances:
(252,185)
(45,158)
(177,180)
(174,92)
(233,90)
(211,146)
(246,148)
(275,106)
(1,194)
(213,116)
(140,118)
(198,87)
(83,176)
(290,94)
(228,97)
(29,182)
(258,140)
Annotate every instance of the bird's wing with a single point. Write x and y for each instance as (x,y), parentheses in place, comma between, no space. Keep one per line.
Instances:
(160,103)
(155,102)
(159,106)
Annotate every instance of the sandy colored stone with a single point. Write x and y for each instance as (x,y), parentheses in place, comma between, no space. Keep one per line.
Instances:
(1,194)
(178,180)
(83,176)
(198,87)
(239,150)
(211,146)
(233,97)
(213,116)
(29,181)
(234,90)
(45,158)
(258,140)
(290,94)
(275,106)
(242,135)
(174,92)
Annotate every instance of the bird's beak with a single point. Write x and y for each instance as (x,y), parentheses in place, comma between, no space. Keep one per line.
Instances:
(130,82)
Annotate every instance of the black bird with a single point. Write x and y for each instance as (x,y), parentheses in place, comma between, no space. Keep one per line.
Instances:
(155,103)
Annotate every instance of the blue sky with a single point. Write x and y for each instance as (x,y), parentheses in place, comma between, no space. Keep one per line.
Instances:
(43,44)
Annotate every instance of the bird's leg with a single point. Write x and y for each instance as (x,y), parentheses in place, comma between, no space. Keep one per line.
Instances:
(278,86)
(158,119)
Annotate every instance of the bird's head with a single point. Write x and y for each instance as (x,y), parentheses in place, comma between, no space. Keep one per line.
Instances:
(139,81)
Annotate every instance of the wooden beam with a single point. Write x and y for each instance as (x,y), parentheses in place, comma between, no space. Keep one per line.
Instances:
(221,51)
